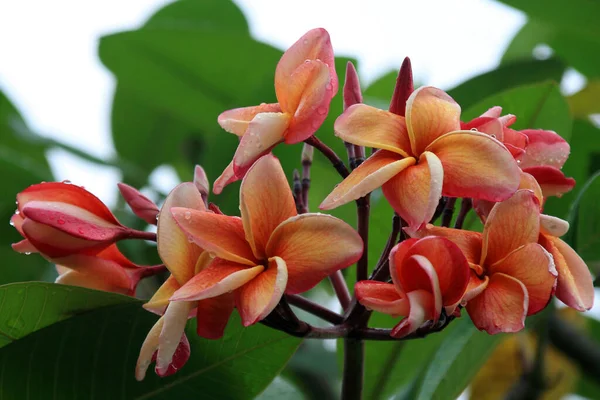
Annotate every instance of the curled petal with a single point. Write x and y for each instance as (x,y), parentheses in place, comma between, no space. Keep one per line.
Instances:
(468,242)
(575,286)
(220,277)
(201,181)
(416,273)
(160,300)
(368,126)
(420,304)
(305,243)
(218,234)
(265,202)
(533,267)
(371,174)
(180,357)
(544,148)
(510,225)
(213,315)
(257,298)
(553,226)
(148,349)
(415,192)
(236,121)
(264,132)
(469,160)
(228,176)
(530,183)
(313,45)
(309,93)
(513,138)
(171,334)
(552,180)
(175,250)
(475,287)
(501,307)
(24,247)
(382,297)
(430,113)
(105,279)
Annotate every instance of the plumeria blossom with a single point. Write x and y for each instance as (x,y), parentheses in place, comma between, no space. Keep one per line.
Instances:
(512,276)
(305,83)
(267,252)
(428,275)
(59,219)
(166,342)
(422,156)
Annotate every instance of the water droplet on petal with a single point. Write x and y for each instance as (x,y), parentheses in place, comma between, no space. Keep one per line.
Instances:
(27,253)
(492,135)
(68,182)
(187,215)
(518,161)
(474,129)
(80,230)
(322,110)
(329,86)
(11,223)
(60,221)
(305,42)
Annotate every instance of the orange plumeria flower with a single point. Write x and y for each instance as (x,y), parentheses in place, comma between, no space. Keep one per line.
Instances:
(305,83)
(512,276)
(423,156)
(427,274)
(267,252)
(166,340)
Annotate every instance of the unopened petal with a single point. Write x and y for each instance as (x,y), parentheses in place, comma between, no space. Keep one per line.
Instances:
(381,297)
(305,243)
(420,303)
(469,160)
(371,174)
(236,121)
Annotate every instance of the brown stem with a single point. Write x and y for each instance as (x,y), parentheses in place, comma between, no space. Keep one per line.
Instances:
(354,365)
(465,206)
(448,211)
(340,288)
(297,192)
(363,209)
(316,309)
(335,160)
(381,271)
(143,235)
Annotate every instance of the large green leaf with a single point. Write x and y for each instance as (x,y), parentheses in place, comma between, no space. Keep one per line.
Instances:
(584,234)
(93,353)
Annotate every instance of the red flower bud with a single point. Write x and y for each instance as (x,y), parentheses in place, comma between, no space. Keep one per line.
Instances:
(141,206)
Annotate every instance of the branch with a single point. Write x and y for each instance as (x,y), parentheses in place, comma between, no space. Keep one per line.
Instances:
(135,234)
(335,160)
(448,211)
(340,288)
(363,208)
(314,308)
(465,206)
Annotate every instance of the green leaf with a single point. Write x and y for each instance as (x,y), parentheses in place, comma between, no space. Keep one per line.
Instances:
(281,389)
(379,92)
(93,354)
(506,77)
(584,102)
(584,218)
(455,362)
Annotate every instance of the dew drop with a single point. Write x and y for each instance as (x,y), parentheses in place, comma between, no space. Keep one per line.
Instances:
(263,104)
(211,254)
(474,129)
(187,215)
(68,182)
(492,135)
(518,161)
(27,253)
(306,61)
(11,223)
(329,86)
(322,110)
(80,230)
(305,42)
(60,221)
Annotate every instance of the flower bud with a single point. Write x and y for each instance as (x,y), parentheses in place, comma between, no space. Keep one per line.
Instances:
(201,181)
(352,93)
(307,154)
(403,90)
(141,206)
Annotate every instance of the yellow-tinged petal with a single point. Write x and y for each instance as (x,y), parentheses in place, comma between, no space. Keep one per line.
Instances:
(470,159)
(236,121)
(368,126)
(553,226)
(221,235)
(160,300)
(415,192)
(149,346)
(257,298)
(175,319)
(371,174)
(265,202)
(381,297)
(430,113)
(264,132)
(220,277)
(174,248)
(511,224)
(306,241)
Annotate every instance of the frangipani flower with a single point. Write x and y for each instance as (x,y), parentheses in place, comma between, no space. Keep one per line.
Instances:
(267,252)
(166,342)
(423,156)
(427,274)
(305,83)
(512,275)
(60,219)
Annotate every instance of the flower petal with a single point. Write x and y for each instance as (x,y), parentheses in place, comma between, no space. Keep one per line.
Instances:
(511,224)
(382,166)
(220,277)
(221,235)
(544,148)
(469,160)
(381,297)
(415,192)
(264,132)
(228,176)
(368,126)
(533,267)
(54,243)
(175,250)
(305,243)
(309,93)
(213,315)
(430,113)
(487,125)
(552,180)
(475,287)
(265,202)
(421,302)
(416,273)
(313,45)
(171,334)
(236,121)
(468,242)
(575,286)
(257,298)
(160,300)
(553,226)
(501,307)
(180,357)
(148,349)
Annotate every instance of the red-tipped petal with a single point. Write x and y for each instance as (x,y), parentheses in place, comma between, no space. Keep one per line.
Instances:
(228,176)
(180,357)
(417,273)
(414,193)
(404,88)
(552,180)
(381,297)
(544,148)
(420,303)
(501,307)
(218,234)
(213,315)
(265,202)
(469,160)
(160,300)
(201,181)
(352,93)
(370,175)
(533,267)
(170,338)
(141,206)
(305,243)
(236,121)
(257,298)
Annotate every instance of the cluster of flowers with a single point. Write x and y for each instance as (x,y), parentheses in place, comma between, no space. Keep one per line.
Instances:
(423,153)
